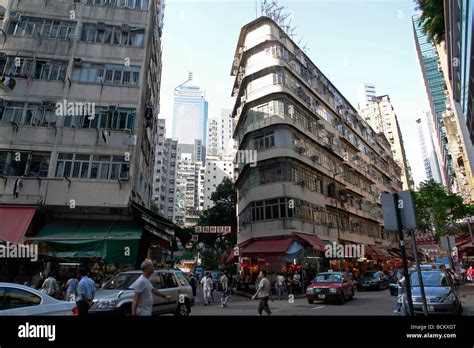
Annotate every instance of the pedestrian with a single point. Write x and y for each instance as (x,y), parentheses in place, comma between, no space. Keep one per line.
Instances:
(470,274)
(401,292)
(280,285)
(192,282)
(142,304)
(263,293)
(206,283)
(225,294)
(297,281)
(247,283)
(51,286)
(71,288)
(85,293)
(290,284)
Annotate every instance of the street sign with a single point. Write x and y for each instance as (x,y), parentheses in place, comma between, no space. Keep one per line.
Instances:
(405,205)
(447,243)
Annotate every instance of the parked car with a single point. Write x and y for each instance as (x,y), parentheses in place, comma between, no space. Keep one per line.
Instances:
(373,280)
(16,299)
(330,286)
(116,296)
(441,294)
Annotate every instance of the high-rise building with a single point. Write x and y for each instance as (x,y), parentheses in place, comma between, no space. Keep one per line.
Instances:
(166,165)
(365,94)
(456,61)
(459,45)
(79,100)
(220,134)
(190,113)
(381,116)
(435,86)
(217,168)
(321,167)
(189,188)
(430,161)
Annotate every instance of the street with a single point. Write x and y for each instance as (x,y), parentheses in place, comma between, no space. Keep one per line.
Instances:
(365,303)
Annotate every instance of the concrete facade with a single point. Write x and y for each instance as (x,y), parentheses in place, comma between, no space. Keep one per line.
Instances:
(320,165)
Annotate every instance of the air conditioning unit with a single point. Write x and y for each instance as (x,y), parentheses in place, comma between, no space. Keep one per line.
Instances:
(301,183)
(100,25)
(315,158)
(77,62)
(125,27)
(301,149)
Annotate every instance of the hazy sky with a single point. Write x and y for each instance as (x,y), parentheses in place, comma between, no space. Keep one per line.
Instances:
(351,41)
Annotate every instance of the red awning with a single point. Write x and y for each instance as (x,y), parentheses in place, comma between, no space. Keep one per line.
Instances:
(463,241)
(312,239)
(371,253)
(276,247)
(14,222)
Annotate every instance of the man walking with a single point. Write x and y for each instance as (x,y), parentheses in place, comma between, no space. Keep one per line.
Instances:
(206,283)
(51,286)
(263,293)
(85,293)
(142,304)
(225,289)
(71,288)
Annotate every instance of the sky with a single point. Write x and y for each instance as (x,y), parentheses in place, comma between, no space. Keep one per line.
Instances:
(351,42)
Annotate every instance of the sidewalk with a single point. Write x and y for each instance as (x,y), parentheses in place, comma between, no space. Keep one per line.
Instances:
(466,292)
(247,295)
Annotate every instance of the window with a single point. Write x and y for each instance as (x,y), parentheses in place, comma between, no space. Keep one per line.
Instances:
(109,74)
(17,298)
(265,141)
(85,166)
(17,163)
(35,68)
(168,280)
(38,27)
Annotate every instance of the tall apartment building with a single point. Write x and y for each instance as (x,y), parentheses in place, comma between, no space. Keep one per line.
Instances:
(365,93)
(221,150)
(458,16)
(217,168)
(166,166)
(190,113)
(435,86)
(220,134)
(381,116)
(79,102)
(427,148)
(301,127)
(189,188)
(455,62)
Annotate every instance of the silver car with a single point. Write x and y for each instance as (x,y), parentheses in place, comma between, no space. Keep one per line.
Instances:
(116,296)
(16,299)
(441,293)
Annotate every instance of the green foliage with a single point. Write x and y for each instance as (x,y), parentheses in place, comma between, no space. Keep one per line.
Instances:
(223,213)
(432,19)
(438,209)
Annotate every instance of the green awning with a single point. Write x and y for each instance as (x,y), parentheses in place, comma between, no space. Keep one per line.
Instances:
(114,242)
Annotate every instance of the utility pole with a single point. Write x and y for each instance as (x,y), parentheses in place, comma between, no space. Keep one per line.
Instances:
(418,271)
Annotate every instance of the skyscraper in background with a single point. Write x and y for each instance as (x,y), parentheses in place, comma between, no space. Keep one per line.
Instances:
(380,115)
(190,112)
(425,139)
(365,93)
(435,88)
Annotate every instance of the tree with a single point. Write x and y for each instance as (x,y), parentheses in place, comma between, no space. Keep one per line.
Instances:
(223,213)
(432,19)
(438,209)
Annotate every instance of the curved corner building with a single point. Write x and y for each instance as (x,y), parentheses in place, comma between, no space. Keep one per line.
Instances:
(320,168)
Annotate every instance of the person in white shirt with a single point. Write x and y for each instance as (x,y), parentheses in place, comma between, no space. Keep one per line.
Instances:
(263,293)
(206,283)
(142,304)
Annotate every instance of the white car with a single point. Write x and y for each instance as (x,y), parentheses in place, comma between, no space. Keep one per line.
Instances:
(16,299)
